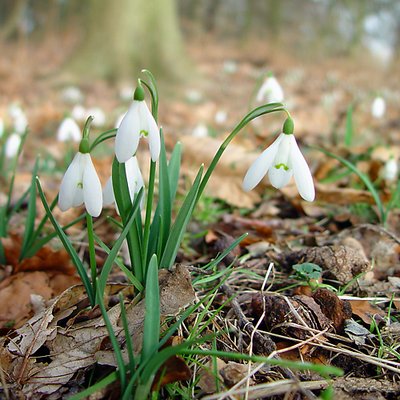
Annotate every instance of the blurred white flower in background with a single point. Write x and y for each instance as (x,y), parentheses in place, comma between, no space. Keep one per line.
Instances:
(270,91)
(126,93)
(20,122)
(200,131)
(1,127)
(72,95)
(391,170)
(69,130)
(378,107)
(193,96)
(12,145)
(221,117)
(99,118)
(230,66)
(79,113)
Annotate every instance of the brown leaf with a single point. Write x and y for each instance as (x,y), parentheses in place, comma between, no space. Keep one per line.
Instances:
(16,292)
(45,259)
(173,370)
(73,346)
(365,310)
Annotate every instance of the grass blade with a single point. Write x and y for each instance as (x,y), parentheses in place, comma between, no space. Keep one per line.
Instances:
(68,246)
(151,335)
(30,219)
(117,245)
(114,342)
(179,226)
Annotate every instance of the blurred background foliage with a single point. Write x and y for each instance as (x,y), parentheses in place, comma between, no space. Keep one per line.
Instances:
(113,39)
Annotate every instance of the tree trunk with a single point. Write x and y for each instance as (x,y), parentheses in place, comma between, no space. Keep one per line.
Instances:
(125,36)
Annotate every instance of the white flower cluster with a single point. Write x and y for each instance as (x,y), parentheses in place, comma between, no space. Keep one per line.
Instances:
(19,126)
(81,185)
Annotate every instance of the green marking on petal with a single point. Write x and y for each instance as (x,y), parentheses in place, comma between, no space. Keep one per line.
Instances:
(80,185)
(144,133)
(282,165)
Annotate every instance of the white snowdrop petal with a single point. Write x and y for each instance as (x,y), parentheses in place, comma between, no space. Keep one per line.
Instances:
(301,172)
(108,193)
(128,134)
(261,165)
(70,184)
(69,130)
(279,177)
(150,125)
(12,145)
(92,192)
(138,174)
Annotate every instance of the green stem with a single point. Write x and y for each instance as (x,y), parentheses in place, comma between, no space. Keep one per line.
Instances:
(92,251)
(103,137)
(266,109)
(149,204)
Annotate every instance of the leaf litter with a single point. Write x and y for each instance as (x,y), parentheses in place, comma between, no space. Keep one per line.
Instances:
(260,308)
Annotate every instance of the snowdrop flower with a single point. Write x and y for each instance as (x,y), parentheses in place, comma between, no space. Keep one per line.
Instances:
(137,122)
(134,178)
(200,131)
(99,118)
(1,127)
(20,121)
(79,113)
(221,117)
(282,160)
(270,91)
(125,93)
(69,130)
(390,170)
(72,94)
(80,184)
(378,107)
(12,145)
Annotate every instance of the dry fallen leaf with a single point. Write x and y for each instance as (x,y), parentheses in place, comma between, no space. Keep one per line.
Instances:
(365,310)
(70,347)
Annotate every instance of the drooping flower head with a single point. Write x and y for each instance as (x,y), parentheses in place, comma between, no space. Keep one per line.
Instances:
(281,161)
(12,145)
(138,122)
(133,177)
(270,91)
(80,184)
(378,107)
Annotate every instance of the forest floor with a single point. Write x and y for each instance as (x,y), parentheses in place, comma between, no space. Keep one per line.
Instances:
(313,282)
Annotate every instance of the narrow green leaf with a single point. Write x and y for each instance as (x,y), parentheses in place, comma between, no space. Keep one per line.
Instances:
(174,167)
(68,246)
(152,86)
(364,178)
(38,244)
(110,260)
(96,387)
(135,282)
(114,342)
(151,334)
(124,204)
(92,251)
(164,196)
(257,112)
(103,137)
(349,132)
(128,336)
(180,224)
(30,219)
